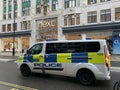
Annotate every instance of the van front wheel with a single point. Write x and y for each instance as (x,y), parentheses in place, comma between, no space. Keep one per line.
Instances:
(25,70)
(85,77)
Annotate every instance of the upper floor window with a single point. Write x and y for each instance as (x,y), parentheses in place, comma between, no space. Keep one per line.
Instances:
(72,19)
(92,17)
(105,15)
(3,28)
(104,0)
(26,4)
(92,2)
(9,27)
(117,13)
(15,26)
(26,25)
(4,16)
(9,15)
(70,3)
(54,5)
(38,8)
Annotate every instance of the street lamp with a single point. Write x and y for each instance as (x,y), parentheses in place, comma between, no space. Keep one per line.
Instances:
(13,51)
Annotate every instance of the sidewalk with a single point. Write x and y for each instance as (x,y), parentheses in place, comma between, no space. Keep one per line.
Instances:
(7,56)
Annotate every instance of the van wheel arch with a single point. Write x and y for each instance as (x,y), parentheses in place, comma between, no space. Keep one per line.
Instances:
(85,76)
(25,70)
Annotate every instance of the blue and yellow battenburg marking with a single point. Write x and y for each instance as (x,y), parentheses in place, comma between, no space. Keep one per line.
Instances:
(65,58)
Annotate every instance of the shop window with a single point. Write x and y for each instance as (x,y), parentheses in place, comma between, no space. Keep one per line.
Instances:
(104,0)
(70,3)
(117,13)
(105,15)
(3,28)
(54,5)
(9,27)
(8,44)
(92,17)
(25,42)
(92,2)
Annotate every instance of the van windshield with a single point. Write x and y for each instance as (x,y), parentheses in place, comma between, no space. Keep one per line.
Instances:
(36,49)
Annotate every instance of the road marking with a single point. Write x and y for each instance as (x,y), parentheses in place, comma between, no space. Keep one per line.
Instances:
(14,89)
(115,69)
(16,86)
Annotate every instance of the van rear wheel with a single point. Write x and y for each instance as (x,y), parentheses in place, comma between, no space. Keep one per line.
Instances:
(25,70)
(85,77)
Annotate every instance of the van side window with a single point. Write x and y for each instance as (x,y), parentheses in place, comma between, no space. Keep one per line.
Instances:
(36,49)
(72,47)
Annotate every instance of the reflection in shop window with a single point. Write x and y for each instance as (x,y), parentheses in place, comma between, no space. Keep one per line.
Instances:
(8,44)
(117,13)
(25,43)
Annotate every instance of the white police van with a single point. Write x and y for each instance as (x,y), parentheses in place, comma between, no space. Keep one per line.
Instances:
(87,60)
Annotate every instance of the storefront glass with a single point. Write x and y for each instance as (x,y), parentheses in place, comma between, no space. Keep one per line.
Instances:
(25,42)
(8,44)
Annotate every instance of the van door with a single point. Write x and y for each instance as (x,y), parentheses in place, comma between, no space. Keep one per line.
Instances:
(34,56)
(53,65)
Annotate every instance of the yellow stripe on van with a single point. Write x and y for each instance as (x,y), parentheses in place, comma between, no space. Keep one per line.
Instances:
(96,58)
(36,57)
(64,58)
(21,59)
(41,58)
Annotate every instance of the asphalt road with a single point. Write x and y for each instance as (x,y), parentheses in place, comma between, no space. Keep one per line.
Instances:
(11,79)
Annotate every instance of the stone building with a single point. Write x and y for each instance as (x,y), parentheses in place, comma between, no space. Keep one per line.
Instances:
(37,20)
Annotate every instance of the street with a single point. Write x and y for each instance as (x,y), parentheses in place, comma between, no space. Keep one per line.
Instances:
(11,79)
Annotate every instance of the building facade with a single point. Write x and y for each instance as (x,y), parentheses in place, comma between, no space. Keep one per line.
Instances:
(37,20)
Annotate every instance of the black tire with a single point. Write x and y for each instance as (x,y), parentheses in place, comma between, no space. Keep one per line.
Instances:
(85,77)
(116,86)
(25,70)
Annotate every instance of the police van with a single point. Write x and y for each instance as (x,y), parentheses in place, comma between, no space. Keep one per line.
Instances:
(87,60)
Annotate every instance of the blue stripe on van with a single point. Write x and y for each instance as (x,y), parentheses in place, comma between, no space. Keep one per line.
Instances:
(51,58)
(28,59)
(80,58)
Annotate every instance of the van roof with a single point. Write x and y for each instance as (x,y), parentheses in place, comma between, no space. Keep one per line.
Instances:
(72,41)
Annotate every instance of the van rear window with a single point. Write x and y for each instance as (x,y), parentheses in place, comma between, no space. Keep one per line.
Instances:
(72,47)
